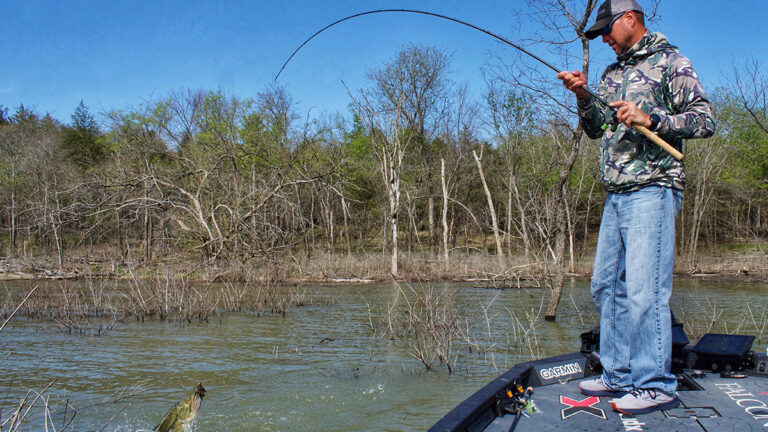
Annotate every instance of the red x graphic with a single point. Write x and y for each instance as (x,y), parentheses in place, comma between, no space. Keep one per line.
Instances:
(577,406)
(582,403)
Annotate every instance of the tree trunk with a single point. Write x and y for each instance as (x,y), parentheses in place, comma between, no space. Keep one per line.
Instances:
(147,228)
(496,237)
(445,213)
(569,222)
(523,218)
(344,210)
(559,277)
(431,217)
(13,222)
(393,202)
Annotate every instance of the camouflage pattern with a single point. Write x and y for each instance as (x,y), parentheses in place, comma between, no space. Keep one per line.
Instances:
(653,75)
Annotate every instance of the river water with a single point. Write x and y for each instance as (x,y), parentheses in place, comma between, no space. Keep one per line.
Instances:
(322,366)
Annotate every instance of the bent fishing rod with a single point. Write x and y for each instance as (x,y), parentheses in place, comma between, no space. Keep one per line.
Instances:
(642,129)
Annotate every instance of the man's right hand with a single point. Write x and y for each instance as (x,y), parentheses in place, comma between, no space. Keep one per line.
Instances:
(574,81)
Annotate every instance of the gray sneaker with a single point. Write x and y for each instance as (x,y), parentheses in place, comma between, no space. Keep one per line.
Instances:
(641,401)
(598,387)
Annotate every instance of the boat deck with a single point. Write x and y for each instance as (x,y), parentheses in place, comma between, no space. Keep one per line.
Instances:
(711,403)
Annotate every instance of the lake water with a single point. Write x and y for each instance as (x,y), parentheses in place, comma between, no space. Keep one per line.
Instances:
(322,366)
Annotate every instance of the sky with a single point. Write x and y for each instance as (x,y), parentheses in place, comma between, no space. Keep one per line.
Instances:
(118,55)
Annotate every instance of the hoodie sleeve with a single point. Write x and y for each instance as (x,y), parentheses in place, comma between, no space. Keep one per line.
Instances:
(692,116)
(593,114)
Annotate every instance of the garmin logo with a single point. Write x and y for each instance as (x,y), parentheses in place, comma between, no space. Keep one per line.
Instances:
(560,371)
(756,408)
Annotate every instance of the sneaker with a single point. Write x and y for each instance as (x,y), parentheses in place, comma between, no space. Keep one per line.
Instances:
(598,387)
(641,401)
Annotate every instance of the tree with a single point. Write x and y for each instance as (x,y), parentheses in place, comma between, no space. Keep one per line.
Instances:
(4,120)
(82,139)
(389,141)
(406,95)
(511,117)
(562,19)
(417,80)
(750,85)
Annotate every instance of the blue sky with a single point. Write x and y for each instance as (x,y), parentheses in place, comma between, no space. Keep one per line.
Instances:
(116,54)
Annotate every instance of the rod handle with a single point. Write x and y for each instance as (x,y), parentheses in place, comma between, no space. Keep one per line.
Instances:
(660,142)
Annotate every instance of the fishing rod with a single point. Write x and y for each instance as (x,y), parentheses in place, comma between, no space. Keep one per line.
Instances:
(642,129)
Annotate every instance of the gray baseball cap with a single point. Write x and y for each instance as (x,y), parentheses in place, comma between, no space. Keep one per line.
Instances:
(608,12)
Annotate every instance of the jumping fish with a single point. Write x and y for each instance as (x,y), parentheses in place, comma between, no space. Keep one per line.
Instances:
(180,417)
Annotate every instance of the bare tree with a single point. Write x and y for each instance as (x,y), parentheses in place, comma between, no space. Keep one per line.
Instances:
(510,117)
(491,209)
(705,162)
(417,81)
(565,21)
(444,216)
(750,84)
(389,139)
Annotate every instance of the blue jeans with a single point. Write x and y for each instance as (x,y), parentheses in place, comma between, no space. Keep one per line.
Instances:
(631,286)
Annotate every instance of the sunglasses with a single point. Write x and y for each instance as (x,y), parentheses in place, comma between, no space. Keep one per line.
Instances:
(607,29)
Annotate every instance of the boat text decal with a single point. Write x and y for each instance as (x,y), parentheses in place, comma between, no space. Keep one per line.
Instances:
(560,371)
(551,373)
(756,408)
(630,422)
(576,406)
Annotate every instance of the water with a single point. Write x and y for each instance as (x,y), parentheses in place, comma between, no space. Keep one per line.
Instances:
(320,367)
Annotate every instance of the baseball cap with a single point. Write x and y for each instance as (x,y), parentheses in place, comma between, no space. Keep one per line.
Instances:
(606,13)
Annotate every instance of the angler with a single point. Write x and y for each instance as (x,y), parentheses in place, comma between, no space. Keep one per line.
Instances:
(652,85)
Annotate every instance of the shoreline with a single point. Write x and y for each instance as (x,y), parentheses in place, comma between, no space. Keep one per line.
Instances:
(505,272)
(756,277)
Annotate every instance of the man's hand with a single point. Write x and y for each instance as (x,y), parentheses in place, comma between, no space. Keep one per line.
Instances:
(573,81)
(629,114)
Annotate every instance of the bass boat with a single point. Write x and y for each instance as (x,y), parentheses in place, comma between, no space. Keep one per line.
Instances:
(722,386)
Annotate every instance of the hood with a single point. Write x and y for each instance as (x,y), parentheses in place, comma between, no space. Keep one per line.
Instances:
(647,45)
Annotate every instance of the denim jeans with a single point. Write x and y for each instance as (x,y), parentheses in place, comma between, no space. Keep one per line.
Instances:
(631,286)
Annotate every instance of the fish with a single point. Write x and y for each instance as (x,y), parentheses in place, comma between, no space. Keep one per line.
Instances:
(180,417)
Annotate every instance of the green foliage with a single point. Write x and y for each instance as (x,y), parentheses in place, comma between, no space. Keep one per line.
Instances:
(747,167)
(362,180)
(241,178)
(83,140)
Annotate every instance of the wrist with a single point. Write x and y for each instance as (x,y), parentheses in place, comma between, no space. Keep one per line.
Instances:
(654,122)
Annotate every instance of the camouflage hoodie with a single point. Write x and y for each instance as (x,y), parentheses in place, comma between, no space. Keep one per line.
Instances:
(659,80)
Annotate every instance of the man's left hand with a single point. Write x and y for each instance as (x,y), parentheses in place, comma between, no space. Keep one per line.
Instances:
(629,114)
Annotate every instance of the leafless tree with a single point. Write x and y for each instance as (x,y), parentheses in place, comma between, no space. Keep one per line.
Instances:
(387,128)
(750,84)
(417,81)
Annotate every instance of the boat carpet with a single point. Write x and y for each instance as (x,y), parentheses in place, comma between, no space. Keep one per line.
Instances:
(719,404)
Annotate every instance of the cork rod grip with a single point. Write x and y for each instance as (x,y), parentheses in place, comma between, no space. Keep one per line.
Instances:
(660,142)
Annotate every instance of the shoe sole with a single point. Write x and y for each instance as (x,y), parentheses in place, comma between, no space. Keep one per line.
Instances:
(666,405)
(604,393)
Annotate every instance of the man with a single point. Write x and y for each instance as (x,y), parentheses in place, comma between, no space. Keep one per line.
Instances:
(651,85)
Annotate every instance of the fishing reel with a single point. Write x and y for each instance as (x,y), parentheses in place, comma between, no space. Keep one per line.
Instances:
(613,123)
(516,401)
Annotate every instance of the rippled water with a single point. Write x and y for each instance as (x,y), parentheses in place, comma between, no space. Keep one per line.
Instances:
(318,368)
